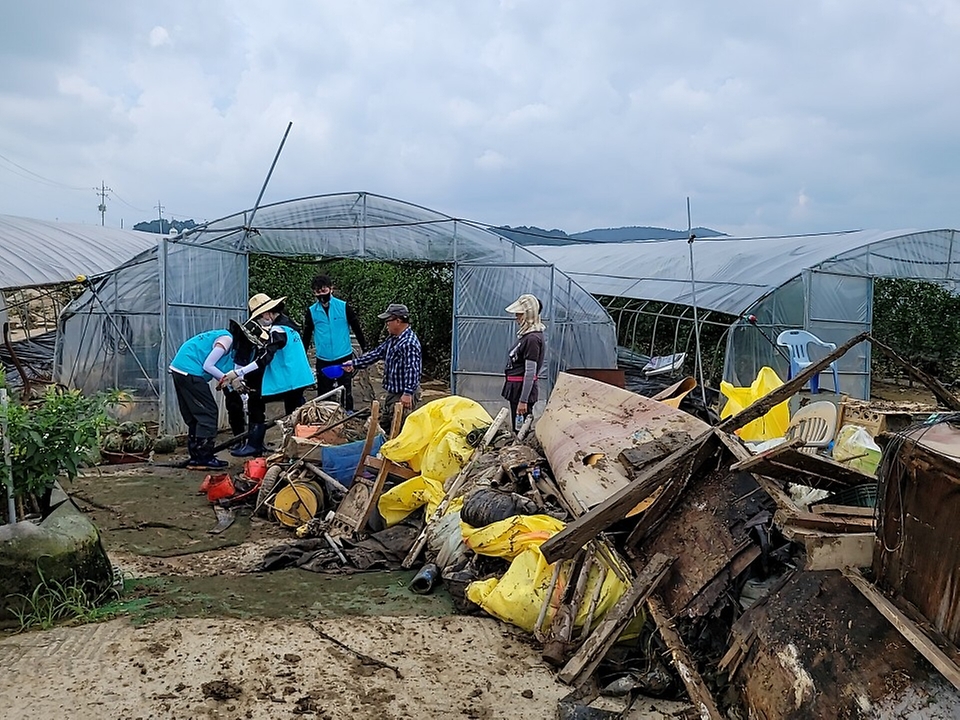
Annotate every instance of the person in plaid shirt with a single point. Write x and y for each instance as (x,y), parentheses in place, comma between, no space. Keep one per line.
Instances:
(402,363)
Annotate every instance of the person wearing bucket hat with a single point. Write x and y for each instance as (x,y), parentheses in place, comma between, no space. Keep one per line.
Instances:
(402,363)
(525,357)
(279,370)
(204,357)
(327,324)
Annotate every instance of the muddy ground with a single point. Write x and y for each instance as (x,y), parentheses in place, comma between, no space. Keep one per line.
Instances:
(197,634)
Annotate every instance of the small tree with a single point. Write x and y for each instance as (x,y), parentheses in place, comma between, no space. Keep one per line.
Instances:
(52,437)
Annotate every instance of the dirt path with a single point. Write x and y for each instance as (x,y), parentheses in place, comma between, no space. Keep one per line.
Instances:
(204,637)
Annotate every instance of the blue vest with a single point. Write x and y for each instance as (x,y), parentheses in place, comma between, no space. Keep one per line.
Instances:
(193,352)
(331,333)
(289,369)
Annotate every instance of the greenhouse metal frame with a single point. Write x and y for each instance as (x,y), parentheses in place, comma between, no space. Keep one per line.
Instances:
(822,283)
(125,329)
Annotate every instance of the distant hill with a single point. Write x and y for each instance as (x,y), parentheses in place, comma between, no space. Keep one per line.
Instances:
(525,235)
(153,226)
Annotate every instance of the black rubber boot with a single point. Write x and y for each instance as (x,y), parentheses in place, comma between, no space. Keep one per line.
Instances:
(205,459)
(254,445)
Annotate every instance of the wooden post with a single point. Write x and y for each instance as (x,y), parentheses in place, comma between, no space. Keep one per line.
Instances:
(581,666)
(577,533)
(696,688)
(936,387)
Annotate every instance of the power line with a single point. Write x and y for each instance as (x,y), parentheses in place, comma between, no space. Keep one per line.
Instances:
(36,177)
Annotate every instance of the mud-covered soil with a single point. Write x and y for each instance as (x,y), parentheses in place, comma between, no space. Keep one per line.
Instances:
(198,634)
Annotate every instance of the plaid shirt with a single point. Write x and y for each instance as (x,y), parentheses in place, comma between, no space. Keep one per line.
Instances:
(402,364)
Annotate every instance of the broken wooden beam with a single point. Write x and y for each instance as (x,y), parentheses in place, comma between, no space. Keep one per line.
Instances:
(576,534)
(936,387)
(824,523)
(581,666)
(696,688)
(767,454)
(913,634)
(762,406)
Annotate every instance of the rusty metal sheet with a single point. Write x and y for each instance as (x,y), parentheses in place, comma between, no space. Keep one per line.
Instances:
(587,424)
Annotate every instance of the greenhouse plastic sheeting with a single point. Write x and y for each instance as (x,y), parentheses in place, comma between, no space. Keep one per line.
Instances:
(822,283)
(204,283)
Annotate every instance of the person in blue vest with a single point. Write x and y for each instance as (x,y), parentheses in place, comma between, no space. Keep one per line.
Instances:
(327,325)
(286,371)
(204,357)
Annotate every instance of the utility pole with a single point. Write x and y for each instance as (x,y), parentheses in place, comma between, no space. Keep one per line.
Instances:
(102,192)
(160,215)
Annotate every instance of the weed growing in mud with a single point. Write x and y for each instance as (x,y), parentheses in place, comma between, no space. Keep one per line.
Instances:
(52,601)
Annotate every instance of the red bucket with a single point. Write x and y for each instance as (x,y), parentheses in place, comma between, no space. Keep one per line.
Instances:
(255,468)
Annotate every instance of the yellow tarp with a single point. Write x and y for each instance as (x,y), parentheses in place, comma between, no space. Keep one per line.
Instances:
(518,595)
(433,442)
(774,423)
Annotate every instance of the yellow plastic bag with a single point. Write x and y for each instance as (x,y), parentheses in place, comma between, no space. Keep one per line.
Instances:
(774,423)
(433,442)
(433,439)
(398,502)
(508,538)
(517,597)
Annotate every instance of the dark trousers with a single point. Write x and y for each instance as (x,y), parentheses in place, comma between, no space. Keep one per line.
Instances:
(386,409)
(292,399)
(325,384)
(197,405)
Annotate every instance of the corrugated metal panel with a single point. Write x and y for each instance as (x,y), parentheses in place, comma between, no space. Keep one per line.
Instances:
(39,252)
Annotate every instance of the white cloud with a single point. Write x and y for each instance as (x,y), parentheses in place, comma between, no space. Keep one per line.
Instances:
(553,113)
(159,36)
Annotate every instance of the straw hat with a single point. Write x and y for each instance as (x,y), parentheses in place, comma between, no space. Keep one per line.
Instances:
(261,303)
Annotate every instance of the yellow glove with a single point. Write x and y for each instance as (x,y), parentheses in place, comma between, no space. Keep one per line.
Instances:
(229,379)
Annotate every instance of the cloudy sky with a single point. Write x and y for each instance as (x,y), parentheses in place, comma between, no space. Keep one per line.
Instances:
(771,116)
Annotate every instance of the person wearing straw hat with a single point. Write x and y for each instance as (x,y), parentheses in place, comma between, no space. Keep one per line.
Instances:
(280,368)
(402,363)
(327,324)
(204,357)
(525,357)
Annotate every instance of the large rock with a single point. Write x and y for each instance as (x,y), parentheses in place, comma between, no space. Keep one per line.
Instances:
(65,548)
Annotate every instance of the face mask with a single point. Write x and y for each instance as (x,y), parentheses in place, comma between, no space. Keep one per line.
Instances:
(323,297)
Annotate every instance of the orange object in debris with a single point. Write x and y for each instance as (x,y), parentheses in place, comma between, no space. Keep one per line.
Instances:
(255,468)
(221,486)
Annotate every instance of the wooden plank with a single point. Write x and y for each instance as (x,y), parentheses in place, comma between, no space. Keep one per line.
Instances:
(936,387)
(813,470)
(768,454)
(393,469)
(825,523)
(576,534)
(833,551)
(926,647)
(683,662)
(654,515)
(762,406)
(782,499)
(828,509)
(581,666)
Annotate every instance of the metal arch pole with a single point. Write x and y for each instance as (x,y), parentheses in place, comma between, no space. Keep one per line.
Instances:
(162,377)
(455,332)
(693,294)
(263,189)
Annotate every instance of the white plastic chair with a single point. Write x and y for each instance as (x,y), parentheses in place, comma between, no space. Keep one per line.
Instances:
(797,341)
(816,424)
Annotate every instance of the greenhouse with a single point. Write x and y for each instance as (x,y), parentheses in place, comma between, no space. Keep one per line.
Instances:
(763,285)
(123,331)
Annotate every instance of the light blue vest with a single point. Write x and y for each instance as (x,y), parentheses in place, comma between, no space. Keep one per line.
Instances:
(193,352)
(331,333)
(289,369)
